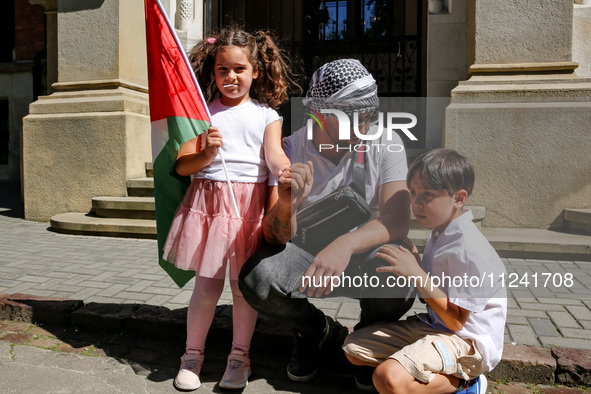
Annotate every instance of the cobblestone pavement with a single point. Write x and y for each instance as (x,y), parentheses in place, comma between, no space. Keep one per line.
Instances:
(61,359)
(549,304)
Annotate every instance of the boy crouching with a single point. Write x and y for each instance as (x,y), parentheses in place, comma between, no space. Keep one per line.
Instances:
(446,349)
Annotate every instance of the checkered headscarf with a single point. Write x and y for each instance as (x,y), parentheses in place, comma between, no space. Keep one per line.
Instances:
(342,84)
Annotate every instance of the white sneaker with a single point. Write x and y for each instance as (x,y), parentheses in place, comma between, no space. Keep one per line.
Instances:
(188,376)
(482,384)
(237,370)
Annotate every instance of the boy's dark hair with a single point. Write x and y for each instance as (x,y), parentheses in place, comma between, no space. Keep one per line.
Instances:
(445,169)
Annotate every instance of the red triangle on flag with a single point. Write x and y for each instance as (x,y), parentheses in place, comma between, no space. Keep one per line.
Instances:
(172,85)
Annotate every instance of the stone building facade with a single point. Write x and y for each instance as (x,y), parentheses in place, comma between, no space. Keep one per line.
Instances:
(516,76)
(22,76)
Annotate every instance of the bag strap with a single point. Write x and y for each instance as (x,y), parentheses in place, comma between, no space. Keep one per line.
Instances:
(358,182)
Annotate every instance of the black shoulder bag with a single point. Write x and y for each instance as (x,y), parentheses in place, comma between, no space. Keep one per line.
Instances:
(333,215)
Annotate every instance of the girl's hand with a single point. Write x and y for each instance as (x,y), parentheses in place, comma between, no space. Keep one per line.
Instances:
(402,261)
(213,142)
(283,167)
(284,185)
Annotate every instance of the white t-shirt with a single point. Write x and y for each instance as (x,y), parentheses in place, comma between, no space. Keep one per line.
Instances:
(461,251)
(381,166)
(242,128)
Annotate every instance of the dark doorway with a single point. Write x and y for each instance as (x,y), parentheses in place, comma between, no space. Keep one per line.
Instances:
(4,131)
(6,31)
(387,36)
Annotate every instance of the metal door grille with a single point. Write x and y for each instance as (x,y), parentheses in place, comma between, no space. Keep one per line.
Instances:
(385,35)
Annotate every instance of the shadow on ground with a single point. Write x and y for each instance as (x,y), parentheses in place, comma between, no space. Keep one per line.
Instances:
(151,340)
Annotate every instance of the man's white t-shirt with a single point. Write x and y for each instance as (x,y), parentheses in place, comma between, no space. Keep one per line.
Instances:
(462,254)
(243,129)
(381,166)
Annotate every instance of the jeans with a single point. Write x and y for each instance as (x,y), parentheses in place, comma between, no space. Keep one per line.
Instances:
(271,278)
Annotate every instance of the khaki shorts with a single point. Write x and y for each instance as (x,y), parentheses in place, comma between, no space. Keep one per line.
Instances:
(422,350)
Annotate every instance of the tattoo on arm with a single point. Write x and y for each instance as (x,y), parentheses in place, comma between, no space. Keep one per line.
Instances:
(279,231)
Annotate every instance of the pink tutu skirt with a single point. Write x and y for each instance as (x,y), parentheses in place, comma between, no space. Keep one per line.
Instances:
(205,233)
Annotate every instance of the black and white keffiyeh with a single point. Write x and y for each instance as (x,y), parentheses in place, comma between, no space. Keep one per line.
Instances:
(343,84)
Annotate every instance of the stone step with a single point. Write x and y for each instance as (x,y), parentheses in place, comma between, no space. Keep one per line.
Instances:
(140,187)
(573,221)
(143,208)
(89,224)
(119,216)
(577,221)
(124,207)
(527,243)
(508,242)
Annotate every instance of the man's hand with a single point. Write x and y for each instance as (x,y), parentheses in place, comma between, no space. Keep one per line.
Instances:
(294,184)
(329,262)
(284,185)
(301,176)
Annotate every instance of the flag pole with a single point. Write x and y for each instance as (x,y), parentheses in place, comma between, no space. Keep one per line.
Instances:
(220,151)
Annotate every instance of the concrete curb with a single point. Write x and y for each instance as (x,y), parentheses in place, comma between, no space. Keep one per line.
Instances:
(520,363)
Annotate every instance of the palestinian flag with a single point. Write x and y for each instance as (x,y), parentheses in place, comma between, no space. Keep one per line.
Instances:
(178,114)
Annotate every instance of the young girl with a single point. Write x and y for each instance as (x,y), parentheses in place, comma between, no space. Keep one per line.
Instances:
(242,76)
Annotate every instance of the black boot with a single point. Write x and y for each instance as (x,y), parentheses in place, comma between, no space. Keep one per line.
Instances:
(307,351)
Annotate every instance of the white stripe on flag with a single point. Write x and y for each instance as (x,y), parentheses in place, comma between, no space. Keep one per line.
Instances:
(159,136)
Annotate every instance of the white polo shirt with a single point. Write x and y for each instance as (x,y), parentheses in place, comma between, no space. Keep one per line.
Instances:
(461,251)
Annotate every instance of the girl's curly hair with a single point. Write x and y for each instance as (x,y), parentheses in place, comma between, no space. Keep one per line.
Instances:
(274,74)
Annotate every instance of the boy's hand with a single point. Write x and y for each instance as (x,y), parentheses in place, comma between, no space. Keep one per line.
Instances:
(408,244)
(402,261)
(213,142)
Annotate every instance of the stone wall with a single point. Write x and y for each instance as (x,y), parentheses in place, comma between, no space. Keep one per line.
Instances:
(582,39)
(447,60)
(523,116)
(93,133)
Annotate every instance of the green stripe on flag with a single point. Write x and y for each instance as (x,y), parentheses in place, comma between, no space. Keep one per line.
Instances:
(170,188)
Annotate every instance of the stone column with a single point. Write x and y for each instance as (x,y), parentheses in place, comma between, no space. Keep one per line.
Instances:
(446,61)
(186,14)
(187,18)
(582,38)
(93,133)
(190,18)
(523,116)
